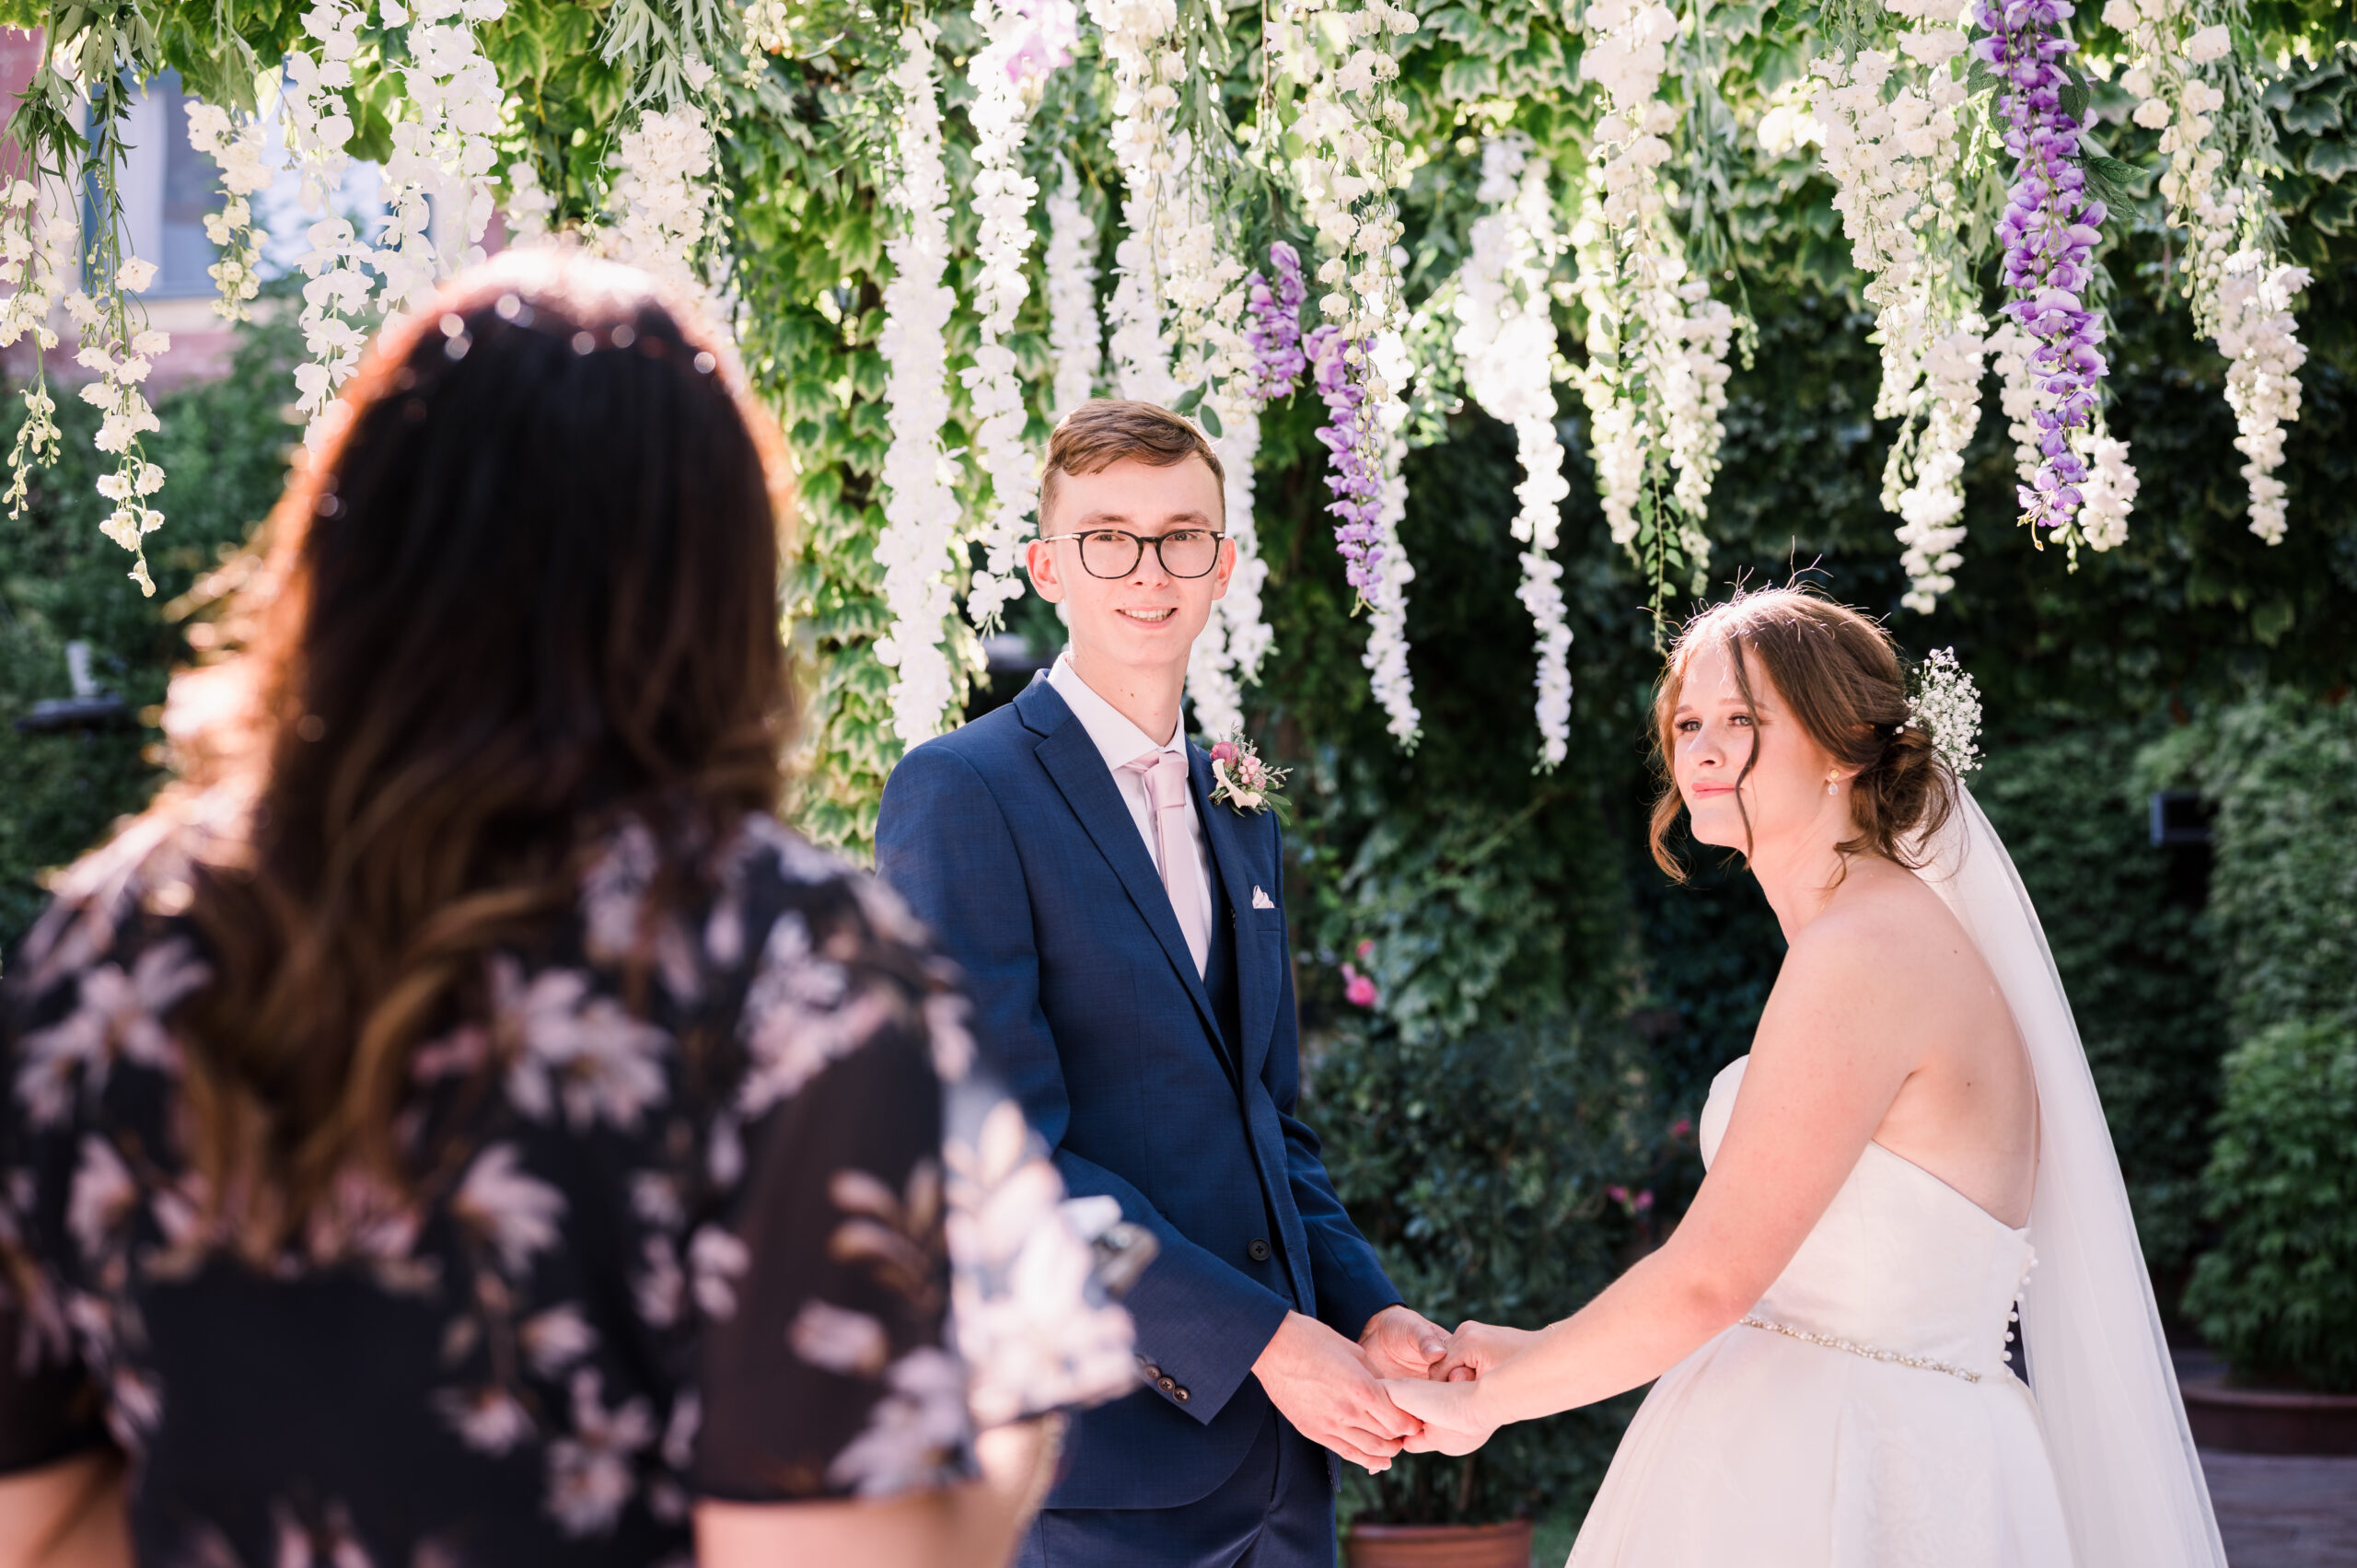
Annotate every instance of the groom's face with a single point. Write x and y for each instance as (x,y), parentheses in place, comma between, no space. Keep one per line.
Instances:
(1148,616)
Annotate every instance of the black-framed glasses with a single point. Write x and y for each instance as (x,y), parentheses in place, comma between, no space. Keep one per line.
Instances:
(1115,553)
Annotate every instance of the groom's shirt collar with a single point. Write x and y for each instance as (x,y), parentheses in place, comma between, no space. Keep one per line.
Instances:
(1119,741)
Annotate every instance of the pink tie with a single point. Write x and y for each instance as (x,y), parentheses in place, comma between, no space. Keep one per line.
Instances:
(1182,869)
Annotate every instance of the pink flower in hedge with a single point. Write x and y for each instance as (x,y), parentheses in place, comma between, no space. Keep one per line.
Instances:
(1358,990)
(1366,950)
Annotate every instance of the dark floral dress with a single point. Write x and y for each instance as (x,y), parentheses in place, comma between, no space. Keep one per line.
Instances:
(683,1223)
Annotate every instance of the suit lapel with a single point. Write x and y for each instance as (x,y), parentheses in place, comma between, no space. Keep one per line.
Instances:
(1079,771)
(1232,839)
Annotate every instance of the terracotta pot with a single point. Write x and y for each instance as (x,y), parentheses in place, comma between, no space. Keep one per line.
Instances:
(2269,1421)
(1439,1546)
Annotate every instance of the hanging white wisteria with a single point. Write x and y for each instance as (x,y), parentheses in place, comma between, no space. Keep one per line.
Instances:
(447,151)
(1386,601)
(2263,355)
(1342,56)
(660,204)
(240,144)
(1656,382)
(1021,45)
(1138,41)
(317,117)
(917,550)
(1505,336)
(1888,124)
(1075,338)
(37,240)
(2242,296)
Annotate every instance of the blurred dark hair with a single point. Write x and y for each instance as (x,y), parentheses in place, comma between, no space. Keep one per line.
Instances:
(1838,672)
(527,585)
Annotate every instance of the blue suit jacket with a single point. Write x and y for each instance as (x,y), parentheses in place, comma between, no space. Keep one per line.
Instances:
(1010,838)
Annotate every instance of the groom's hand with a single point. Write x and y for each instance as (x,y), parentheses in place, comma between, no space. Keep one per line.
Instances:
(1325,1387)
(1402,1343)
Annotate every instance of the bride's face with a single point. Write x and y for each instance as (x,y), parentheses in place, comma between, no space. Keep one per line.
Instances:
(1713,731)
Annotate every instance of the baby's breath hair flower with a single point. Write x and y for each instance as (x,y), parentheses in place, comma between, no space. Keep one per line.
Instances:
(1946,707)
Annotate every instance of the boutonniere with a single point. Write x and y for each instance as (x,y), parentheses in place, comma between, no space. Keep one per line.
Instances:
(1243,783)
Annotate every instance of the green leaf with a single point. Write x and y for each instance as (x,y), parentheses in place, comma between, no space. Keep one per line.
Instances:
(1209,416)
(2330,160)
(1188,399)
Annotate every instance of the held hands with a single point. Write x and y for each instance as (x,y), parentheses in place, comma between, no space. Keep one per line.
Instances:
(1451,1403)
(1451,1414)
(1331,1388)
(1476,1348)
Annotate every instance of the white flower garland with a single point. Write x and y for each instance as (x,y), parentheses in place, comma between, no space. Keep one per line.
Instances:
(123,359)
(448,151)
(917,550)
(1228,650)
(1348,126)
(2109,492)
(39,246)
(660,204)
(1138,45)
(319,126)
(1507,337)
(1074,337)
(1005,77)
(240,144)
(2242,298)
(2255,333)
(1895,163)
(1657,341)
(1386,633)
(531,207)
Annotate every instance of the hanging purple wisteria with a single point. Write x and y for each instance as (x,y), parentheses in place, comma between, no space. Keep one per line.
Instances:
(2050,232)
(1276,331)
(1357,482)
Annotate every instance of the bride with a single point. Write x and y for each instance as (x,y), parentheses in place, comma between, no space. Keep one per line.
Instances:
(1829,1323)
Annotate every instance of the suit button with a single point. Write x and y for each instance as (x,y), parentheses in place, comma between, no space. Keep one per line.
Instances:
(1151,1370)
(1166,1383)
(1179,1395)
(1258,1249)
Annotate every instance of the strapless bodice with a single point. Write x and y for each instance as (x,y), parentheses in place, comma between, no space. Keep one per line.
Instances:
(1900,1263)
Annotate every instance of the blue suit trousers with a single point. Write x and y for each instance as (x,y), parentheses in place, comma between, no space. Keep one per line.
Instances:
(1277,1511)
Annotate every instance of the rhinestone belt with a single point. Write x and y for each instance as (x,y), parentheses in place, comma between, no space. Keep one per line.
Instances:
(1869,1351)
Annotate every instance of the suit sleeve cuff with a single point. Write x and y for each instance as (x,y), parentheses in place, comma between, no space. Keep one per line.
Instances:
(1200,1327)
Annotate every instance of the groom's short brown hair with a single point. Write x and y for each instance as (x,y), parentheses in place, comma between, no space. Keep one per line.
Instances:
(1103,431)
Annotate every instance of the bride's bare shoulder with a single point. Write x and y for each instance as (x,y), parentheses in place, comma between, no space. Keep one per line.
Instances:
(1885,931)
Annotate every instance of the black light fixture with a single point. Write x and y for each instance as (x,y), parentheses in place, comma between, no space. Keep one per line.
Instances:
(87,709)
(2180,817)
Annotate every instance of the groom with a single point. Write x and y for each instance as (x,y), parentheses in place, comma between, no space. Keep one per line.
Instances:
(1123,934)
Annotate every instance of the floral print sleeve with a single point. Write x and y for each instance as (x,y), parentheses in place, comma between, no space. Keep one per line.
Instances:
(706,1199)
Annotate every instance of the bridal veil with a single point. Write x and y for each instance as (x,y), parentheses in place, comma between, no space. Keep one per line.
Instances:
(2130,1481)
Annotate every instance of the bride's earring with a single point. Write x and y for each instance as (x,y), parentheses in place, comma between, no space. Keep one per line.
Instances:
(1832,786)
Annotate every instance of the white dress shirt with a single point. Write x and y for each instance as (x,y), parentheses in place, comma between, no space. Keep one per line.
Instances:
(1119,742)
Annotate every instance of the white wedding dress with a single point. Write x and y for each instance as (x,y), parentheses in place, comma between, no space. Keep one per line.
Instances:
(1862,1416)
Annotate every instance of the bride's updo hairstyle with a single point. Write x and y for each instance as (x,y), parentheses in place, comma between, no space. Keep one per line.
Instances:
(1839,674)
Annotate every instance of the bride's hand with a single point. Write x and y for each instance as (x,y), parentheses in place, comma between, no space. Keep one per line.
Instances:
(1476,1348)
(1452,1414)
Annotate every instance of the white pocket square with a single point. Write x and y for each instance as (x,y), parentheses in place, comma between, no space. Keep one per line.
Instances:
(1261,901)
